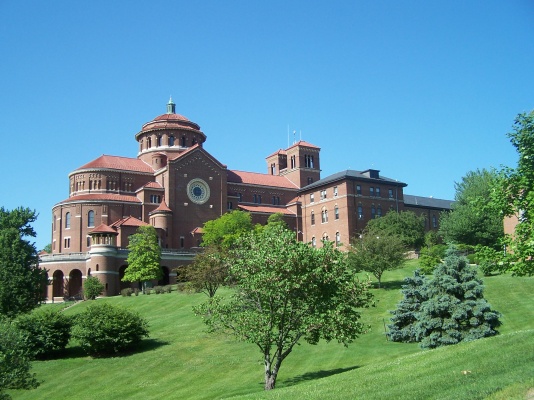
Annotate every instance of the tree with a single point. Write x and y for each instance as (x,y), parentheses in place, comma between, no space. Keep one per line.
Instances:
(402,327)
(406,225)
(223,231)
(144,257)
(469,222)
(15,360)
(455,309)
(513,195)
(287,291)
(92,288)
(377,254)
(21,279)
(208,271)
(48,248)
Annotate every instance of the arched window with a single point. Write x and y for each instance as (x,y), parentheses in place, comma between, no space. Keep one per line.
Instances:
(148,142)
(54,222)
(313,242)
(159,141)
(171,140)
(378,211)
(336,212)
(312,216)
(338,239)
(91,218)
(324,215)
(360,211)
(67,220)
(183,141)
(373,212)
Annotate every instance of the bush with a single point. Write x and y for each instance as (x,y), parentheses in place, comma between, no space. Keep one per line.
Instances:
(48,331)
(136,291)
(431,257)
(159,289)
(167,288)
(14,360)
(181,286)
(92,288)
(126,292)
(103,329)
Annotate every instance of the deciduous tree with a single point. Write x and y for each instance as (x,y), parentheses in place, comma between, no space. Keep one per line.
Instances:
(469,222)
(21,279)
(144,257)
(208,271)
(377,254)
(223,231)
(406,225)
(286,292)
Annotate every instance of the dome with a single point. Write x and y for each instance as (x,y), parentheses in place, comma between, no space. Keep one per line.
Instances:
(170,120)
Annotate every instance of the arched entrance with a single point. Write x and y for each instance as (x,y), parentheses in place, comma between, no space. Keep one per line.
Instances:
(75,284)
(58,286)
(165,276)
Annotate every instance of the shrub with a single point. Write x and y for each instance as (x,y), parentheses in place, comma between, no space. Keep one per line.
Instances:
(167,288)
(103,329)
(181,286)
(126,292)
(431,257)
(159,289)
(14,360)
(48,331)
(92,288)
(136,291)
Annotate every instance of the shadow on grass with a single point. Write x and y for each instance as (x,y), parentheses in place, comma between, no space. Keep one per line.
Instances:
(78,352)
(389,285)
(310,376)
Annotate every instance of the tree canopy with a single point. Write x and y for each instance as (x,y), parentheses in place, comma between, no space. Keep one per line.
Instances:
(21,279)
(223,231)
(377,254)
(208,271)
(287,291)
(406,225)
(144,256)
(513,195)
(470,222)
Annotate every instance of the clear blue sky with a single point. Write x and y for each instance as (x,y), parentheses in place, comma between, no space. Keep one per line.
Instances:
(424,91)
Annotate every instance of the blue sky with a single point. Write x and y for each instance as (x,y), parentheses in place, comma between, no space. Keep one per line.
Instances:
(424,91)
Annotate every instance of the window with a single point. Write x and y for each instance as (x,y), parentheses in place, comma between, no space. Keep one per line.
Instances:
(358,189)
(323,194)
(229,205)
(360,211)
(390,193)
(313,242)
(183,141)
(155,199)
(182,242)
(88,241)
(193,142)
(325,237)
(338,239)
(371,191)
(308,161)
(276,201)
(373,212)
(67,220)
(273,169)
(66,243)
(54,222)
(91,218)
(159,141)
(324,216)
(434,221)
(312,217)
(335,191)
(257,198)
(148,142)
(171,140)
(312,197)
(310,181)
(377,192)
(293,162)
(240,197)
(378,212)
(336,212)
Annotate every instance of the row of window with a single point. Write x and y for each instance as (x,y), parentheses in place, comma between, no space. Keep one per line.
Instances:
(325,238)
(324,215)
(374,191)
(170,142)
(90,220)
(324,194)
(256,198)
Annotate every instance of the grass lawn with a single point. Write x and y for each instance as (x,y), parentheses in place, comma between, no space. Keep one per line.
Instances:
(181,361)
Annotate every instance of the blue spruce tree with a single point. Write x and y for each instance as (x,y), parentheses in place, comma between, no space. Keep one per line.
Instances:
(402,327)
(455,309)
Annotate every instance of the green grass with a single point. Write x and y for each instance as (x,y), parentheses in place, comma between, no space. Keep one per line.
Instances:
(181,361)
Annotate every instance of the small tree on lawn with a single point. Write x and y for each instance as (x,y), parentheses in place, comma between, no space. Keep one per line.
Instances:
(402,327)
(144,257)
(208,271)
(286,291)
(377,254)
(455,309)
(92,288)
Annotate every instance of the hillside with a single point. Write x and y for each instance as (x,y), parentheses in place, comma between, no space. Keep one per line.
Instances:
(181,361)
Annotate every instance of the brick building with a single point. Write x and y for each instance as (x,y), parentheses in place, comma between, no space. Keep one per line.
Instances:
(176,185)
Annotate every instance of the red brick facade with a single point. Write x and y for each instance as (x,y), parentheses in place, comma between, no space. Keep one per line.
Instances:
(175,185)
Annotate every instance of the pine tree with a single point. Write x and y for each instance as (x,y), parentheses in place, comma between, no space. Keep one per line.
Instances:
(404,317)
(455,310)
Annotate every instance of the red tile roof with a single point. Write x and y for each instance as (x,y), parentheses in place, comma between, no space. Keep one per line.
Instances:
(103,228)
(129,221)
(153,185)
(101,197)
(281,151)
(265,209)
(175,121)
(254,178)
(197,230)
(162,207)
(119,163)
(304,143)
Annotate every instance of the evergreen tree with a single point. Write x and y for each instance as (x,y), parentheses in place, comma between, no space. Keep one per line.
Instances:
(455,309)
(404,317)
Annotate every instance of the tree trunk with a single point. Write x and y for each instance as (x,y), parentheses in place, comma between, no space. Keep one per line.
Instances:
(270,374)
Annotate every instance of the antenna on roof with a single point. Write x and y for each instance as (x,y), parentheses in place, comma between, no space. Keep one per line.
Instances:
(288,135)
(294,133)
(300,135)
